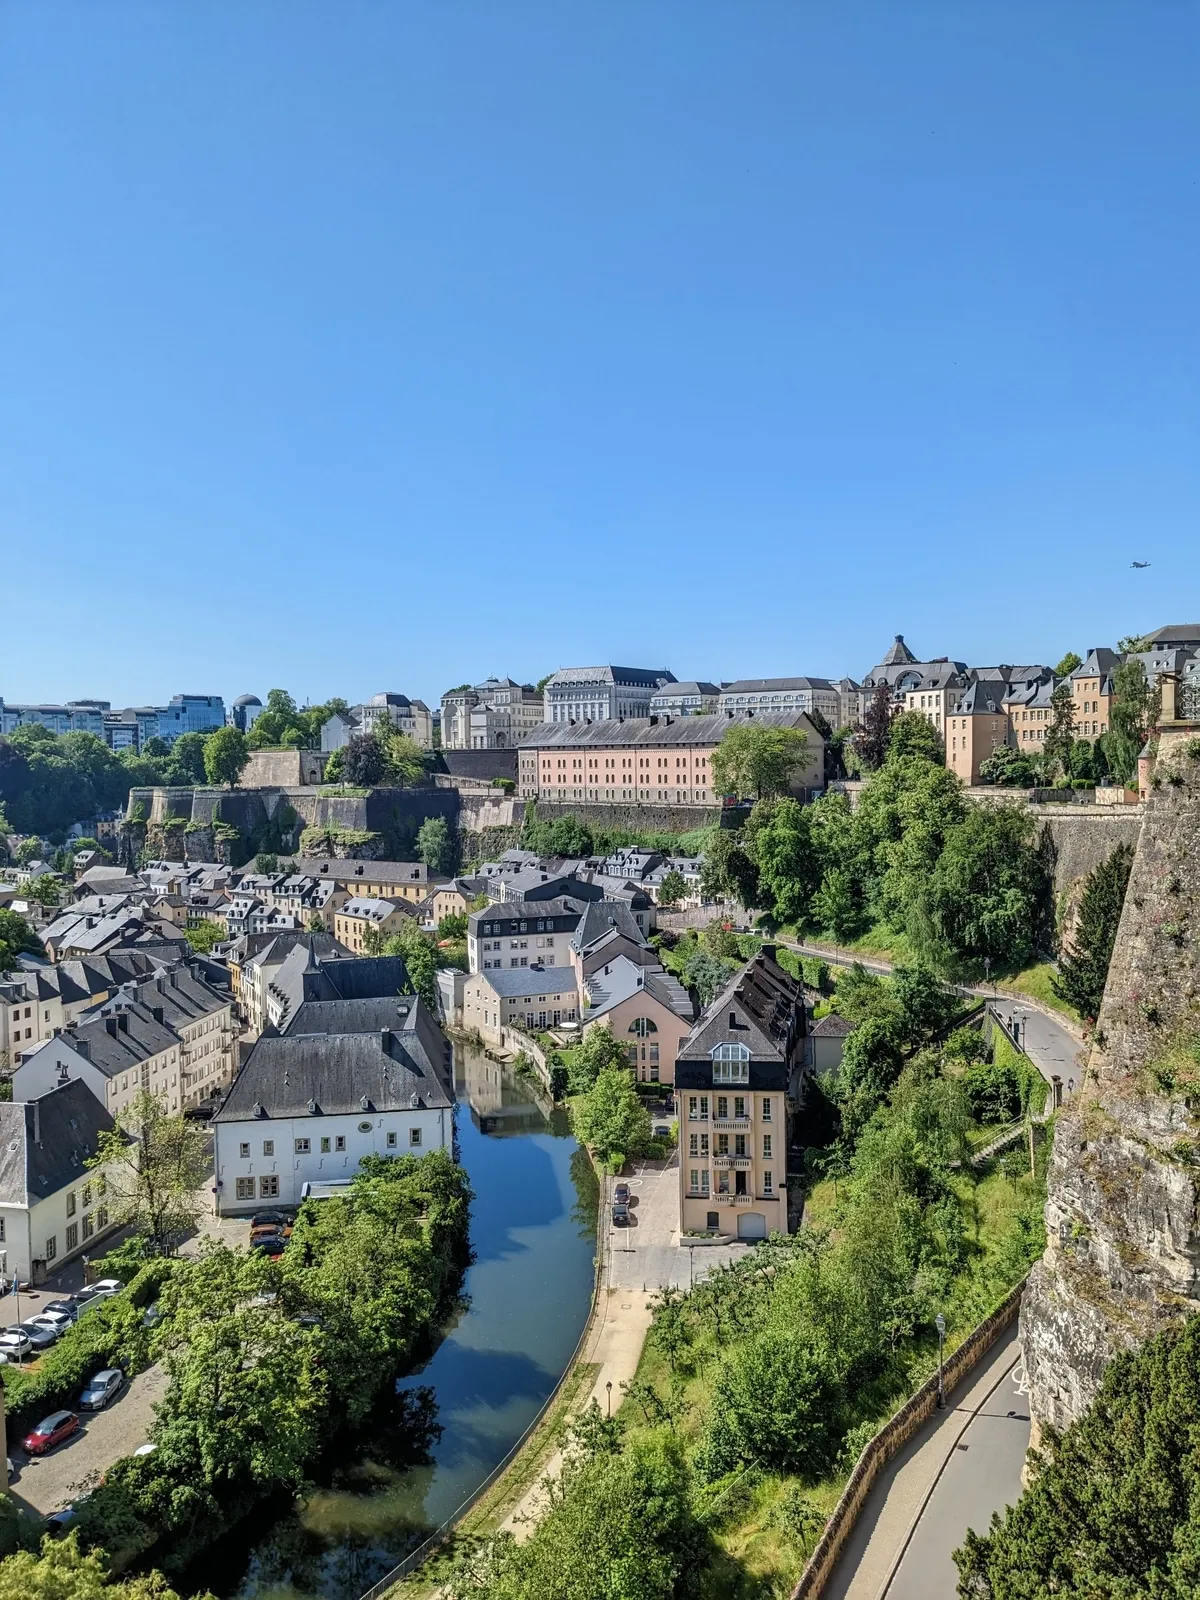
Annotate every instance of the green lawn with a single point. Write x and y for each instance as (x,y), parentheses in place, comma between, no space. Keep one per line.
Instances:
(1035,981)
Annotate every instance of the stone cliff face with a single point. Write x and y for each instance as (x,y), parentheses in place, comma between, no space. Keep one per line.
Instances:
(1123,1211)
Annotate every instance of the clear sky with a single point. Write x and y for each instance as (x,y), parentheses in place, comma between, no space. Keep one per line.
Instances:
(378,345)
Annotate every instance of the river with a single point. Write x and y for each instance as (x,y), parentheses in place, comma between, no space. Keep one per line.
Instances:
(526,1297)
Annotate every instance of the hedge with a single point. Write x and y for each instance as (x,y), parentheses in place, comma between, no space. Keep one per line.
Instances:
(112,1335)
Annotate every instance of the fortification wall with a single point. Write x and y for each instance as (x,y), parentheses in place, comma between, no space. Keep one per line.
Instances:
(1123,1211)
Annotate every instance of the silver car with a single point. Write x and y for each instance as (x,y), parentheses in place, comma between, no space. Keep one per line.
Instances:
(103,1388)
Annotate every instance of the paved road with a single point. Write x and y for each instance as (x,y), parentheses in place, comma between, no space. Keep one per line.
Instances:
(963,1465)
(48,1482)
(1048,1042)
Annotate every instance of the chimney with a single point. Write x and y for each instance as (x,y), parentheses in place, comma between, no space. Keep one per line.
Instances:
(157,1013)
(110,1024)
(654,722)
(37,1123)
(123,1021)
(385,1039)
(83,1048)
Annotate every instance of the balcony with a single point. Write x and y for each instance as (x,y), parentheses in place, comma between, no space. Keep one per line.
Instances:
(733,1199)
(739,1124)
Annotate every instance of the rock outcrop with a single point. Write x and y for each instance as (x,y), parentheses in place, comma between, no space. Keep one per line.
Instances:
(1123,1208)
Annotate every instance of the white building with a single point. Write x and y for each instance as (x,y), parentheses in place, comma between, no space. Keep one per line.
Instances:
(52,1205)
(412,717)
(493,715)
(522,933)
(596,694)
(784,694)
(308,1109)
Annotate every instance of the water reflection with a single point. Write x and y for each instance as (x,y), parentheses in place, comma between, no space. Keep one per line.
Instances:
(526,1298)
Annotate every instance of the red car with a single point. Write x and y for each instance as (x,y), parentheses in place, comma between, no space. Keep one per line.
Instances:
(50,1432)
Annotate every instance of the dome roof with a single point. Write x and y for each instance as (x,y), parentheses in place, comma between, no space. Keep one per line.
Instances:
(247,700)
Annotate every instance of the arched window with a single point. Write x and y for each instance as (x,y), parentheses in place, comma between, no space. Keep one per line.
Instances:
(731,1063)
(642,1026)
(731,1052)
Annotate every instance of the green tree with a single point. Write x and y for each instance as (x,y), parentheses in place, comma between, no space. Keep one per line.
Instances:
(781,1402)
(788,868)
(1083,968)
(836,908)
(453,925)
(728,872)
(94,845)
(16,938)
(987,895)
(365,760)
(45,889)
(1113,1506)
(62,1571)
(420,961)
(225,755)
(185,762)
(1133,713)
(154,1165)
(204,936)
(1007,768)
(435,847)
(754,759)
(598,1051)
(1067,665)
(672,889)
(610,1117)
(911,734)
(1060,735)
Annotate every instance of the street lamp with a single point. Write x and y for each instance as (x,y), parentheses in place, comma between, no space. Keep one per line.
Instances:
(939,1323)
(608,1386)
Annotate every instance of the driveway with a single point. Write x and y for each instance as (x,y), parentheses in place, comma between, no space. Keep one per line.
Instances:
(47,1482)
(1047,1043)
(648,1254)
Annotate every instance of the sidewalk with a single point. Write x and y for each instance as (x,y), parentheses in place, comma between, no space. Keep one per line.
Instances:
(941,1483)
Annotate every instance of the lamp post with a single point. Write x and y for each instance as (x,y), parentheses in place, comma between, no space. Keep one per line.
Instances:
(939,1323)
(608,1387)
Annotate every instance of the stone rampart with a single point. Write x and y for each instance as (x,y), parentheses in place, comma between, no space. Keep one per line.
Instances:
(1123,1209)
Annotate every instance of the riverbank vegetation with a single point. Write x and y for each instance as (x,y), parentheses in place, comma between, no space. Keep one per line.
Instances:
(758,1388)
(267,1361)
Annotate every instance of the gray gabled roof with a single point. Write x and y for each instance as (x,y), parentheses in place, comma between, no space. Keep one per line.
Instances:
(45,1143)
(514,982)
(982,699)
(768,685)
(606,916)
(832,1027)
(641,676)
(761,1006)
(332,1075)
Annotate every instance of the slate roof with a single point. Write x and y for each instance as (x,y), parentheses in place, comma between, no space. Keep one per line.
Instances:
(603,916)
(515,911)
(370,1015)
(652,676)
(831,1027)
(612,731)
(288,1077)
(609,989)
(898,653)
(1175,633)
(676,691)
(768,685)
(1099,663)
(44,1143)
(982,699)
(768,1004)
(368,871)
(512,982)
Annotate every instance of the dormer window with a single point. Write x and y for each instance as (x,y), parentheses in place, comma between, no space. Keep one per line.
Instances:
(731,1063)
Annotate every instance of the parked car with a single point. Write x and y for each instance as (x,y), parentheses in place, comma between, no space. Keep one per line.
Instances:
(39,1335)
(270,1219)
(16,1343)
(58,1321)
(620,1215)
(621,1194)
(91,1303)
(145,1450)
(13,1472)
(60,1521)
(60,1308)
(50,1432)
(107,1286)
(105,1386)
(271,1244)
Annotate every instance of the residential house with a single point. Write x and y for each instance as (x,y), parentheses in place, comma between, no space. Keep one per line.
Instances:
(523,933)
(600,694)
(528,997)
(359,921)
(38,1001)
(377,880)
(647,1010)
(1030,713)
(648,761)
(1092,692)
(309,1109)
(245,913)
(53,1206)
(254,961)
(937,696)
(734,1075)
(454,899)
(828,1041)
(381,713)
(976,728)
(685,700)
(782,694)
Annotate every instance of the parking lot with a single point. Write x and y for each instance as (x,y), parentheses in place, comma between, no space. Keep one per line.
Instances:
(648,1253)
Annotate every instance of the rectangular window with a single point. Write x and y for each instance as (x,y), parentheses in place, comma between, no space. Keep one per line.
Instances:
(722,1106)
(739,1105)
(339,1142)
(89,1227)
(694,1144)
(72,1235)
(268,1187)
(268,1147)
(414,1136)
(766,1110)
(245,1188)
(766,1147)
(70,1205)
(101,1218)
(51,1247)
(244,1151)
(325,1145)
(303,1146)
(391,1139)
(767,1189)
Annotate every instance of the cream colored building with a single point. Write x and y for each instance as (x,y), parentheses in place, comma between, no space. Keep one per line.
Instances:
(647,760)
(975,730)
(377,880)
(1092,692)
(360,920)
(532,998)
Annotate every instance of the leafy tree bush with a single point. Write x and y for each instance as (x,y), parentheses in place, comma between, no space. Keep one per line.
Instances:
(986,894)
(1113,1509)
(911,734)
(1008,768)
(1133,713)
(610,1116)
(994,1091)
(16,938)
(364,760)
(872,742)
(595,1053)
(61,1571)
(756,760)
(672,889)
(154,1164)
(225,755)
(420,960)
(204,936)
(780,845)
(779,1401)
(435,847)
(1068,664)
(1083,969)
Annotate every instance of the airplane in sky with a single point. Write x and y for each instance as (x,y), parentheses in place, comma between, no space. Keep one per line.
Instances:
(1139,564)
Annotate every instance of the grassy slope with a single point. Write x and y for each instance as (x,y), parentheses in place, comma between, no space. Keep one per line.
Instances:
(1035,981)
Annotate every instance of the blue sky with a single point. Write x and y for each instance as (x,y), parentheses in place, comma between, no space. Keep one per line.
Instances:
(380,345)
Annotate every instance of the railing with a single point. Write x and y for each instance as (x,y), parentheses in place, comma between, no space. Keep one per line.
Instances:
(739,1123)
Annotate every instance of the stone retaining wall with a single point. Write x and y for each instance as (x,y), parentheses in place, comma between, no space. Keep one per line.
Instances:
(891,1438)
